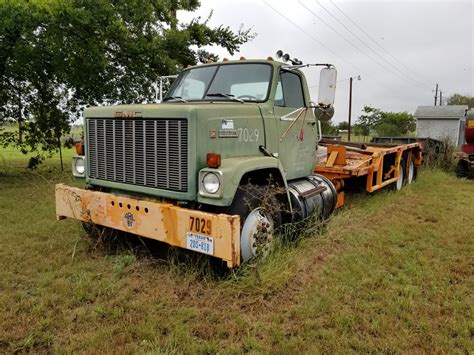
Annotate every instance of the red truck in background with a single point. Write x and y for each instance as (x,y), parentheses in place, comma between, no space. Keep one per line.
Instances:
(466,156)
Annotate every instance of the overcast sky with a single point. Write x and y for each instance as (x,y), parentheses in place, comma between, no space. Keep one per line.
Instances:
(401,49)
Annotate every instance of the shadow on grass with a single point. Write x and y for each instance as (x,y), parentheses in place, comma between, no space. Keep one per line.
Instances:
(127,248)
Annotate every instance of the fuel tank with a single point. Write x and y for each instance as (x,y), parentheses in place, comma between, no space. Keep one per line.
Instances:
(314,195)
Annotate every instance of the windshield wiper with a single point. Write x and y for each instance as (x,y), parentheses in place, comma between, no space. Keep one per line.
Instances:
(228,96)
(177,98)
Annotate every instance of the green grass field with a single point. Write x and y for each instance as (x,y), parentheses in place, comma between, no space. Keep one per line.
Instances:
(392,272)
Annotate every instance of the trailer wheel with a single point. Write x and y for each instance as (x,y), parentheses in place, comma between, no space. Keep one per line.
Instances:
(411,172)
(401,176)
(260,216)
(462,168)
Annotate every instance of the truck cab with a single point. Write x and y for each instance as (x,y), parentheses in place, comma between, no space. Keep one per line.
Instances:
(228,138)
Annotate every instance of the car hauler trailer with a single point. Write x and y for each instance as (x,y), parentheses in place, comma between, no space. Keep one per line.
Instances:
(375,166)
(229,155)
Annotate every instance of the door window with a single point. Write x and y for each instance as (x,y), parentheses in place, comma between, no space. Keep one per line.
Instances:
(289,91)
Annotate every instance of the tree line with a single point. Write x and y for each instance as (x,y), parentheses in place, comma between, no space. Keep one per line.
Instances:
(376,122)
(58,57)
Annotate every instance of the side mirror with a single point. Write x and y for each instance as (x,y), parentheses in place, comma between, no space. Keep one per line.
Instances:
(327,86)
(326,94)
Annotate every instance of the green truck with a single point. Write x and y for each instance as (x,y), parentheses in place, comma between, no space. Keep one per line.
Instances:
(216,167)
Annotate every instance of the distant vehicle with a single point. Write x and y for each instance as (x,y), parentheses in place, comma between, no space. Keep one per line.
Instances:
(466,157)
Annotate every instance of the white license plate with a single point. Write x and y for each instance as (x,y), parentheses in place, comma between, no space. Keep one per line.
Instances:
(200,243)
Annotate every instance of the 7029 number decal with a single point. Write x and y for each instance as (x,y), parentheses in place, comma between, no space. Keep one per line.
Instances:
(200,225)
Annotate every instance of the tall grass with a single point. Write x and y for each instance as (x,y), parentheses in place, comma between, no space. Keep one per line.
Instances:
(444,159)
(391,272)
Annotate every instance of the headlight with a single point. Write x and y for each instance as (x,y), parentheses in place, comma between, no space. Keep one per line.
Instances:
(78,166)
(211,183)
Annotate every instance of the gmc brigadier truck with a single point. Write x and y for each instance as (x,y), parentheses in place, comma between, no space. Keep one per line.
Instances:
(229,155)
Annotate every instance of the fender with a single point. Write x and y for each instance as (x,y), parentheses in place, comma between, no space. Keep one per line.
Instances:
(232,170)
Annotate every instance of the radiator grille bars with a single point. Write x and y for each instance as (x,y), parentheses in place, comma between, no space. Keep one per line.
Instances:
(151,152)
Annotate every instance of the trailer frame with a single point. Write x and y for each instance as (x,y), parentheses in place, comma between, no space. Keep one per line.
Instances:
(379,163)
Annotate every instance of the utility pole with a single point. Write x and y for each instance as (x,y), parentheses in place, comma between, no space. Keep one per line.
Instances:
(350,110)
(440,98)
(436,94)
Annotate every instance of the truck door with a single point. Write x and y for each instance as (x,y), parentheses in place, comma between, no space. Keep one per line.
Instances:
(297,133)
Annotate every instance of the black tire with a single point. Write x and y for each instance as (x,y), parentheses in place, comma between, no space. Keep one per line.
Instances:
(257,207)
(462,168)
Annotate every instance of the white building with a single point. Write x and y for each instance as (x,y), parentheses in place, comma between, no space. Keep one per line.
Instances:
(440,122)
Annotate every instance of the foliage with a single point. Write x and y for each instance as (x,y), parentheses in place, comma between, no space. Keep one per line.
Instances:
(344,125)
(328,128)
(386,123)
(444,159)
(458,99)
(56,57)
(391,273)
(360,130)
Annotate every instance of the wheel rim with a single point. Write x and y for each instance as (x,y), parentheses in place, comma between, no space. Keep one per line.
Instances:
(400,178)
(411,172)
(257,234)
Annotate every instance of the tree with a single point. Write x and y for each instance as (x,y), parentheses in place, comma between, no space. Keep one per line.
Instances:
(361,130)
(386,123)
(56,57)
(457,99)
(344,125)
(328,128)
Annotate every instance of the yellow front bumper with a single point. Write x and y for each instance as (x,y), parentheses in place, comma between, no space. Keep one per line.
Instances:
(213,234)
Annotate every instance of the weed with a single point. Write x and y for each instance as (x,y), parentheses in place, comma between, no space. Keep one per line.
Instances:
(390,273)
(122,262)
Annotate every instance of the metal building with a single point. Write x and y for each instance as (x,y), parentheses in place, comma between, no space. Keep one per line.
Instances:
(440,122)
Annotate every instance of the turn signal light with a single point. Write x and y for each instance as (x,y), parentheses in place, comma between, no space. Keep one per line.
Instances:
(213,160)
(80,149)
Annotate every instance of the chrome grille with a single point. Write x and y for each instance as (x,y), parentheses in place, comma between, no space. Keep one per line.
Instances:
(151,152)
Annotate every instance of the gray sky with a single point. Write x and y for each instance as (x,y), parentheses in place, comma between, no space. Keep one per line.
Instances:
(412,45)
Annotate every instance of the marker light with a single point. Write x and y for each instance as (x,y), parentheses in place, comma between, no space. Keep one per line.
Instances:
(213,160)
(80,148)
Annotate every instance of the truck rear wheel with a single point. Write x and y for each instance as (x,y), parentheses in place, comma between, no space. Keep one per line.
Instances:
(462,168)
(260,216)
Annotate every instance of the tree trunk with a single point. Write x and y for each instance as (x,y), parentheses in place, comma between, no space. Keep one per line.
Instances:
(20,118)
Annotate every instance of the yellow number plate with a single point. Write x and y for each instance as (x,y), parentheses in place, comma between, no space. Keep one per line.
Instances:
(470,123)
(201,226)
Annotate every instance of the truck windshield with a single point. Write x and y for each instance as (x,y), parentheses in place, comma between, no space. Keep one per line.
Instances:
(229,82)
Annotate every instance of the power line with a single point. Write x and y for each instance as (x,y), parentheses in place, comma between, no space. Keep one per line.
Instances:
(351,43)
(412,81)
(324,46)
(311,37)
(376,43)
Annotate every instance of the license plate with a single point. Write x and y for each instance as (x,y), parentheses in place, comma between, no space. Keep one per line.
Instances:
(200,243)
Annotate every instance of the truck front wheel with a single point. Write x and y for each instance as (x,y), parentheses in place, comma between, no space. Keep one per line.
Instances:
(260,216)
